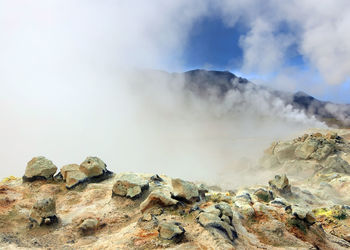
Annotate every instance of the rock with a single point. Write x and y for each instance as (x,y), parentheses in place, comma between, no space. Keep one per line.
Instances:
(74,178)
(243,195)
(172,231)
(304,137)
(130,185)
(263,195)
(43,211)
(317,134)
(68,168)
(88,226)
(322,152)
(212,221)
(336,164)
(185,190)
(72,175)
(213,210)
(39,168)
(303,214)
(280,184)
(279,202)
(245,209)
(225,209)
(310,218)
(156,179)
(202,190)
(93,166)
(147,217)
(91,170)
(285,151)
(159,196)
(304,150)
(331,136)
(299,212)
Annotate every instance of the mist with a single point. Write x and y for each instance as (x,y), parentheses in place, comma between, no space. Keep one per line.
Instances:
(75,82)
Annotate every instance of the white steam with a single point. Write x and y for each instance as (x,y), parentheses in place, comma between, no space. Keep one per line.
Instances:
(68,91)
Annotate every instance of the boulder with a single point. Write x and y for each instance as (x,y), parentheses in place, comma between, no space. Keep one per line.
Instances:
(285,151)
(172,231)
(280,202)
(156,179)
(88,226)
(280,184)
(304,150)
(39,168)
(245,209)
(93,166)
(303,214)
(331,136)
(159,196)
(43,211)
(130,185)
(74,178)
(336,164)
(243,195)
(322,152)
(68,168)
(225,209)
(202,190)
(185,190)
(263,195)
(213,210)
(214,222)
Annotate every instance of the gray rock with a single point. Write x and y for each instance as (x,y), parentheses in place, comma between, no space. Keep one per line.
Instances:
(244,208)
(322,152)
(212,221)
(304,150)
(43,211)
(93,166)
(213,210)
(303,214)
(263,195)
(130,185)
(73,178)
(280,184)
(336,164)
(172,231)
(185,190)
(225,209)
(39,168)
(68,168)
(159,196)
(202,190)
(243,195)
(279,202)
(285,151)
(89,225)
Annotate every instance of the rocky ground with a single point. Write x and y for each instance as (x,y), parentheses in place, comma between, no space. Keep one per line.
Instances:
(305,206)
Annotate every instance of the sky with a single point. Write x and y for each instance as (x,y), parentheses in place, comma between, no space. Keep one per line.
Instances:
(212,44)
(67,91)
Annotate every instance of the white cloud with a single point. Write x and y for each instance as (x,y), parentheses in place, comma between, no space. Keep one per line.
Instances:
(318,28)
(65,92)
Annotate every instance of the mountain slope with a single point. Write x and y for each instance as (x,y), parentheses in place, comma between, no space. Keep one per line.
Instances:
(203,82)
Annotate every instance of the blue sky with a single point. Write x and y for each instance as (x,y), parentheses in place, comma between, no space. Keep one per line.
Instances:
(214,45)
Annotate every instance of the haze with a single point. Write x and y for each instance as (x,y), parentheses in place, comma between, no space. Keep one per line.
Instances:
(71,84)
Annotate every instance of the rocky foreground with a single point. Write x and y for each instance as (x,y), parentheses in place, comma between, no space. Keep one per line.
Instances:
(305,206)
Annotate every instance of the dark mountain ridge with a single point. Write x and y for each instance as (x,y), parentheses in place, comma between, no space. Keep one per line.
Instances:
(202,82)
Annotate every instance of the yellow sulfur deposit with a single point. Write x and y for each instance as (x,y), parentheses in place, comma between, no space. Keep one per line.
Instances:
(9,178)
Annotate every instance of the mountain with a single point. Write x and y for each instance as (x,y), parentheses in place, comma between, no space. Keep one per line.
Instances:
(203,82)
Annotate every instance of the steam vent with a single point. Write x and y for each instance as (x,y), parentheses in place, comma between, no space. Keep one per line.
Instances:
(304,204)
